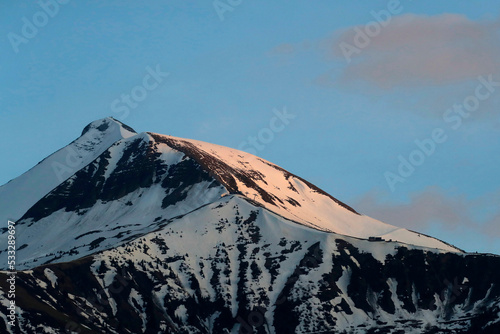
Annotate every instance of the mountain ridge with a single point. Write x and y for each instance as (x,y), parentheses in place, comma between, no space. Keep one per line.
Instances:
(185,170)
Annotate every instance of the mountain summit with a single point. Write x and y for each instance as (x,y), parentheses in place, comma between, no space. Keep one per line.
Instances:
(20,194)
(125,232)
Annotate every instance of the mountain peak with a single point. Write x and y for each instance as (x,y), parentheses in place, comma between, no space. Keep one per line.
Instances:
(109,123)
(25,190)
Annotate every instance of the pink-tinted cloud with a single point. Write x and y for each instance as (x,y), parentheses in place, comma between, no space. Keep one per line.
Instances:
(414,50)
(434,206)
(285,48)
(427,207)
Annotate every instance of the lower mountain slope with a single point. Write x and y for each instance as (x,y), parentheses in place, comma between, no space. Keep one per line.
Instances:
(232,266)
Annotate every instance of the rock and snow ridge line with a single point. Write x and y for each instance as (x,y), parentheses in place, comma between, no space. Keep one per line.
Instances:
(289,195)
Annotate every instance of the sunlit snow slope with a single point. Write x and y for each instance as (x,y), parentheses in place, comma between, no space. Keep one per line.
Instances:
(289,195)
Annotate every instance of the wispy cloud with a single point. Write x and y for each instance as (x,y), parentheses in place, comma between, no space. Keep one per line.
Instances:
(416,50)
(434,206)
(419,63)
(285,48)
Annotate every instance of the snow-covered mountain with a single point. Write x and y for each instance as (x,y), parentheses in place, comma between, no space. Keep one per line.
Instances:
(116,192)
(155,234)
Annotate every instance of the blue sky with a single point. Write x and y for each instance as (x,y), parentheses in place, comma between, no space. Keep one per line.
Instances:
(359,101)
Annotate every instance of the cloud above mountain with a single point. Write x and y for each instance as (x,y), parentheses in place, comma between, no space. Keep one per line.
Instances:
(433,207)
(416,50)
(419,63)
